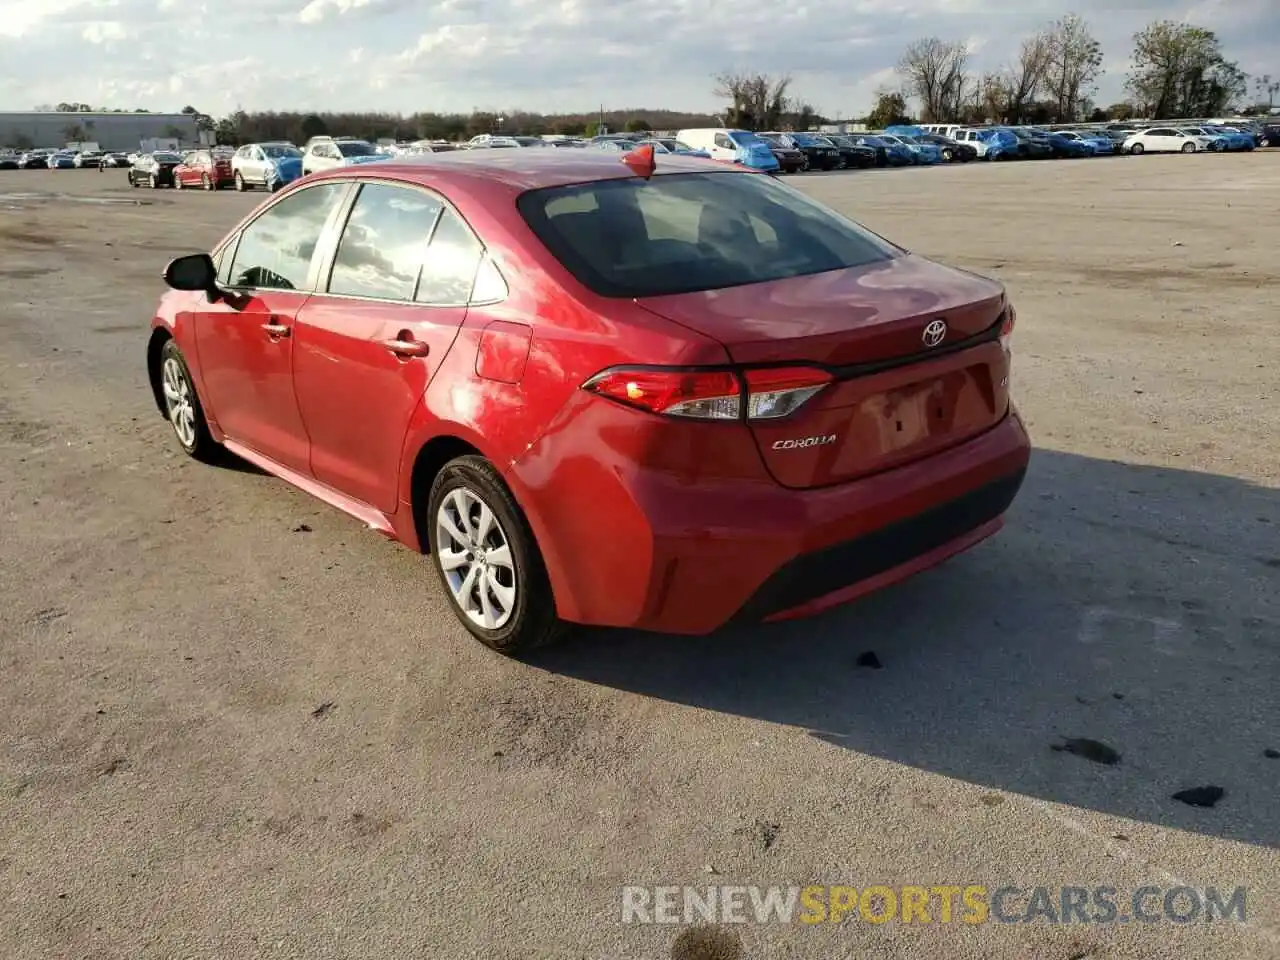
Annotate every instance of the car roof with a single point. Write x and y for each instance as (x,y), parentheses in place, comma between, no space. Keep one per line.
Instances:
(519,170)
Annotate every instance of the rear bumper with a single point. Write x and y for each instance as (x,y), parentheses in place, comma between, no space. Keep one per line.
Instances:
(631,546)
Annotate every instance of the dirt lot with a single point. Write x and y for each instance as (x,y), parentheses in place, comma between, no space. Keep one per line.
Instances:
(235,724)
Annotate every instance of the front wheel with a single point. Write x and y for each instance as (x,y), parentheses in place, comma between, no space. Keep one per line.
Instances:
(1188,148)
(205,182)
(1136,149)
(177,183)
(487,559)
(240,182)
(182,405)
(947,156)
(153,182)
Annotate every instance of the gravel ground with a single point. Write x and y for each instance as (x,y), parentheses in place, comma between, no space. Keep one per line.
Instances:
(236,724)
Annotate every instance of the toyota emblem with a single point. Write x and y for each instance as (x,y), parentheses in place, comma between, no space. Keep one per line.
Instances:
(934,333)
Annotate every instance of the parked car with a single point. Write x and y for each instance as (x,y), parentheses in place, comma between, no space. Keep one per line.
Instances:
(1235,139)
(852,155)
(922,150)
(674,453)
(819,154)
(1217,141)
(62,160)
(1097,144)
(672,145)
(1165,140)
(114,159)
(614,144)
(35,160)
(1062,146)
(740,147)
(951,151)
(204,169)
(8,161)
(154,169)
(269,165)
(88,159)
(1031,146)
(328,153)
(889,153)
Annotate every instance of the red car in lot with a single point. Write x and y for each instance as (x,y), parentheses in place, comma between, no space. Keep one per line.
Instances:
(598,392)
(206,169)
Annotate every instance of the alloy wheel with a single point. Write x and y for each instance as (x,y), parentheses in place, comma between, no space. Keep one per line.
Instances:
(474,553)
(178,401)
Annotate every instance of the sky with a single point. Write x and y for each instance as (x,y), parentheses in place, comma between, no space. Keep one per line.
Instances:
(541,55)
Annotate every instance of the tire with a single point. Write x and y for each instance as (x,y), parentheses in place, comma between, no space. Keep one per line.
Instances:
(153,182)
(1188,148)
(947,156)
(240,182)
(1136,150)
(177,183)
(529,621)
(133,181)
(205,182)
(804,164)
(182,406)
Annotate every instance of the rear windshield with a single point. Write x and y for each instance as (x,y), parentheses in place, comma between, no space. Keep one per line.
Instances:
(680,233)
(354,148)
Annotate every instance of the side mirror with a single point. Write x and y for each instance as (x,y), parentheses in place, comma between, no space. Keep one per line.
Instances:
(193,272)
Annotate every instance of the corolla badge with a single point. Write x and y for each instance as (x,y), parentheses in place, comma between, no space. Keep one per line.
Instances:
(934,332)
(818,441)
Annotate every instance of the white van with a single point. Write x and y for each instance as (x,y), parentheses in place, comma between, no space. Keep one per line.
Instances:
(731,146)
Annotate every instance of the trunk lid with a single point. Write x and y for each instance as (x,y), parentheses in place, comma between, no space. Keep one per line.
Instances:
(896,396)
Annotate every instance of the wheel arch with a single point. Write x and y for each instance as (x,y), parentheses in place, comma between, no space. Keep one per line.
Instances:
(155,344)
(427,464)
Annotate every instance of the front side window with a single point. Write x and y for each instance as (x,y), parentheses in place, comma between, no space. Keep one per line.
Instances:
(722,140)
(276,250)
(680,233)
(449,270)
(382,245)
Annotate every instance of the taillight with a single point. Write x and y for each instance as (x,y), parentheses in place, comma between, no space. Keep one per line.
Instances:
(780,391)
(1006,326)
(771,393)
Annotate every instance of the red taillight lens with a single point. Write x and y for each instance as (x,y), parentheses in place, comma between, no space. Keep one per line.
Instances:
(772,393)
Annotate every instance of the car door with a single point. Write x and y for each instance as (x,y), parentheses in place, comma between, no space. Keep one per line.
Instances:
(1159,140)
(245,339)
(722,148)
(369,344)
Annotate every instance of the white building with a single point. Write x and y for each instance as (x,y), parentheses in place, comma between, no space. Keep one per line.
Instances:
(111,131)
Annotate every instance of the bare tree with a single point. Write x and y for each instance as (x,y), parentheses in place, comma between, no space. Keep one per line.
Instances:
(756,99)
(1026,78)
(1074,63)
(995,96)
(933,71)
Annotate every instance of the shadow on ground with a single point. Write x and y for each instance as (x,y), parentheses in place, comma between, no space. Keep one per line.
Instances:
(1131,605)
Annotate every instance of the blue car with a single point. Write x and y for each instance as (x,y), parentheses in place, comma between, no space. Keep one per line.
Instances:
(1001,144)
(1236,139)
(926,151)
(1095,144)
(753,151)
(63,160)
(1064,146)
(1217,141)
(889,151)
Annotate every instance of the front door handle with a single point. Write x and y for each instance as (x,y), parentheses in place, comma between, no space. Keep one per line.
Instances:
(276,329)
(407,348)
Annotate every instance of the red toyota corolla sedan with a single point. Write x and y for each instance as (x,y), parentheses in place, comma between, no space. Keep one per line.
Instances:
(598,392)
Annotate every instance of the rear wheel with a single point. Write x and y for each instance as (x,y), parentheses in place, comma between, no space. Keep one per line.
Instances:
(153,182)
(487,559)
(240,181)
(1136,149)
(1188,148)
(205,182)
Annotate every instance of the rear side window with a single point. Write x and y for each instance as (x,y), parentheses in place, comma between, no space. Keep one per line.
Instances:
(276,250)
(680,233)
(452,259)
(382,245)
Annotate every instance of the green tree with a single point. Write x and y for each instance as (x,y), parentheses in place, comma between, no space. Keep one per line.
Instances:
(172,132)
(73,132)
(1074,64)
(592,129)
(757,101)
(1179,71)
(1121,111)
(890,110)
(637,125)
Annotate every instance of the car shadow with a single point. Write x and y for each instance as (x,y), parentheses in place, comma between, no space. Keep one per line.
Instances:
(1130,605)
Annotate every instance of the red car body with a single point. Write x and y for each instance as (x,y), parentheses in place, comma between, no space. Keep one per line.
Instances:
(204,169)
(907,452)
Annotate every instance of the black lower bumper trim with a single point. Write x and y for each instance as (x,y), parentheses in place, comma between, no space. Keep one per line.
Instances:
(813,575)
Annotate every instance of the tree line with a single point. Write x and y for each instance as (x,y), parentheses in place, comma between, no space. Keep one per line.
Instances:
(1177,70)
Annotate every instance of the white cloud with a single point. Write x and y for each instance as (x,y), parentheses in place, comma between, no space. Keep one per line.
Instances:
(403,55)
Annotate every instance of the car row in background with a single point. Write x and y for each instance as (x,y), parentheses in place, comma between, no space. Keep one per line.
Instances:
(272,165)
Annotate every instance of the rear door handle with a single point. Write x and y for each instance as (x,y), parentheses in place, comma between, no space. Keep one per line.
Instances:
(407,348)
(276,329)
